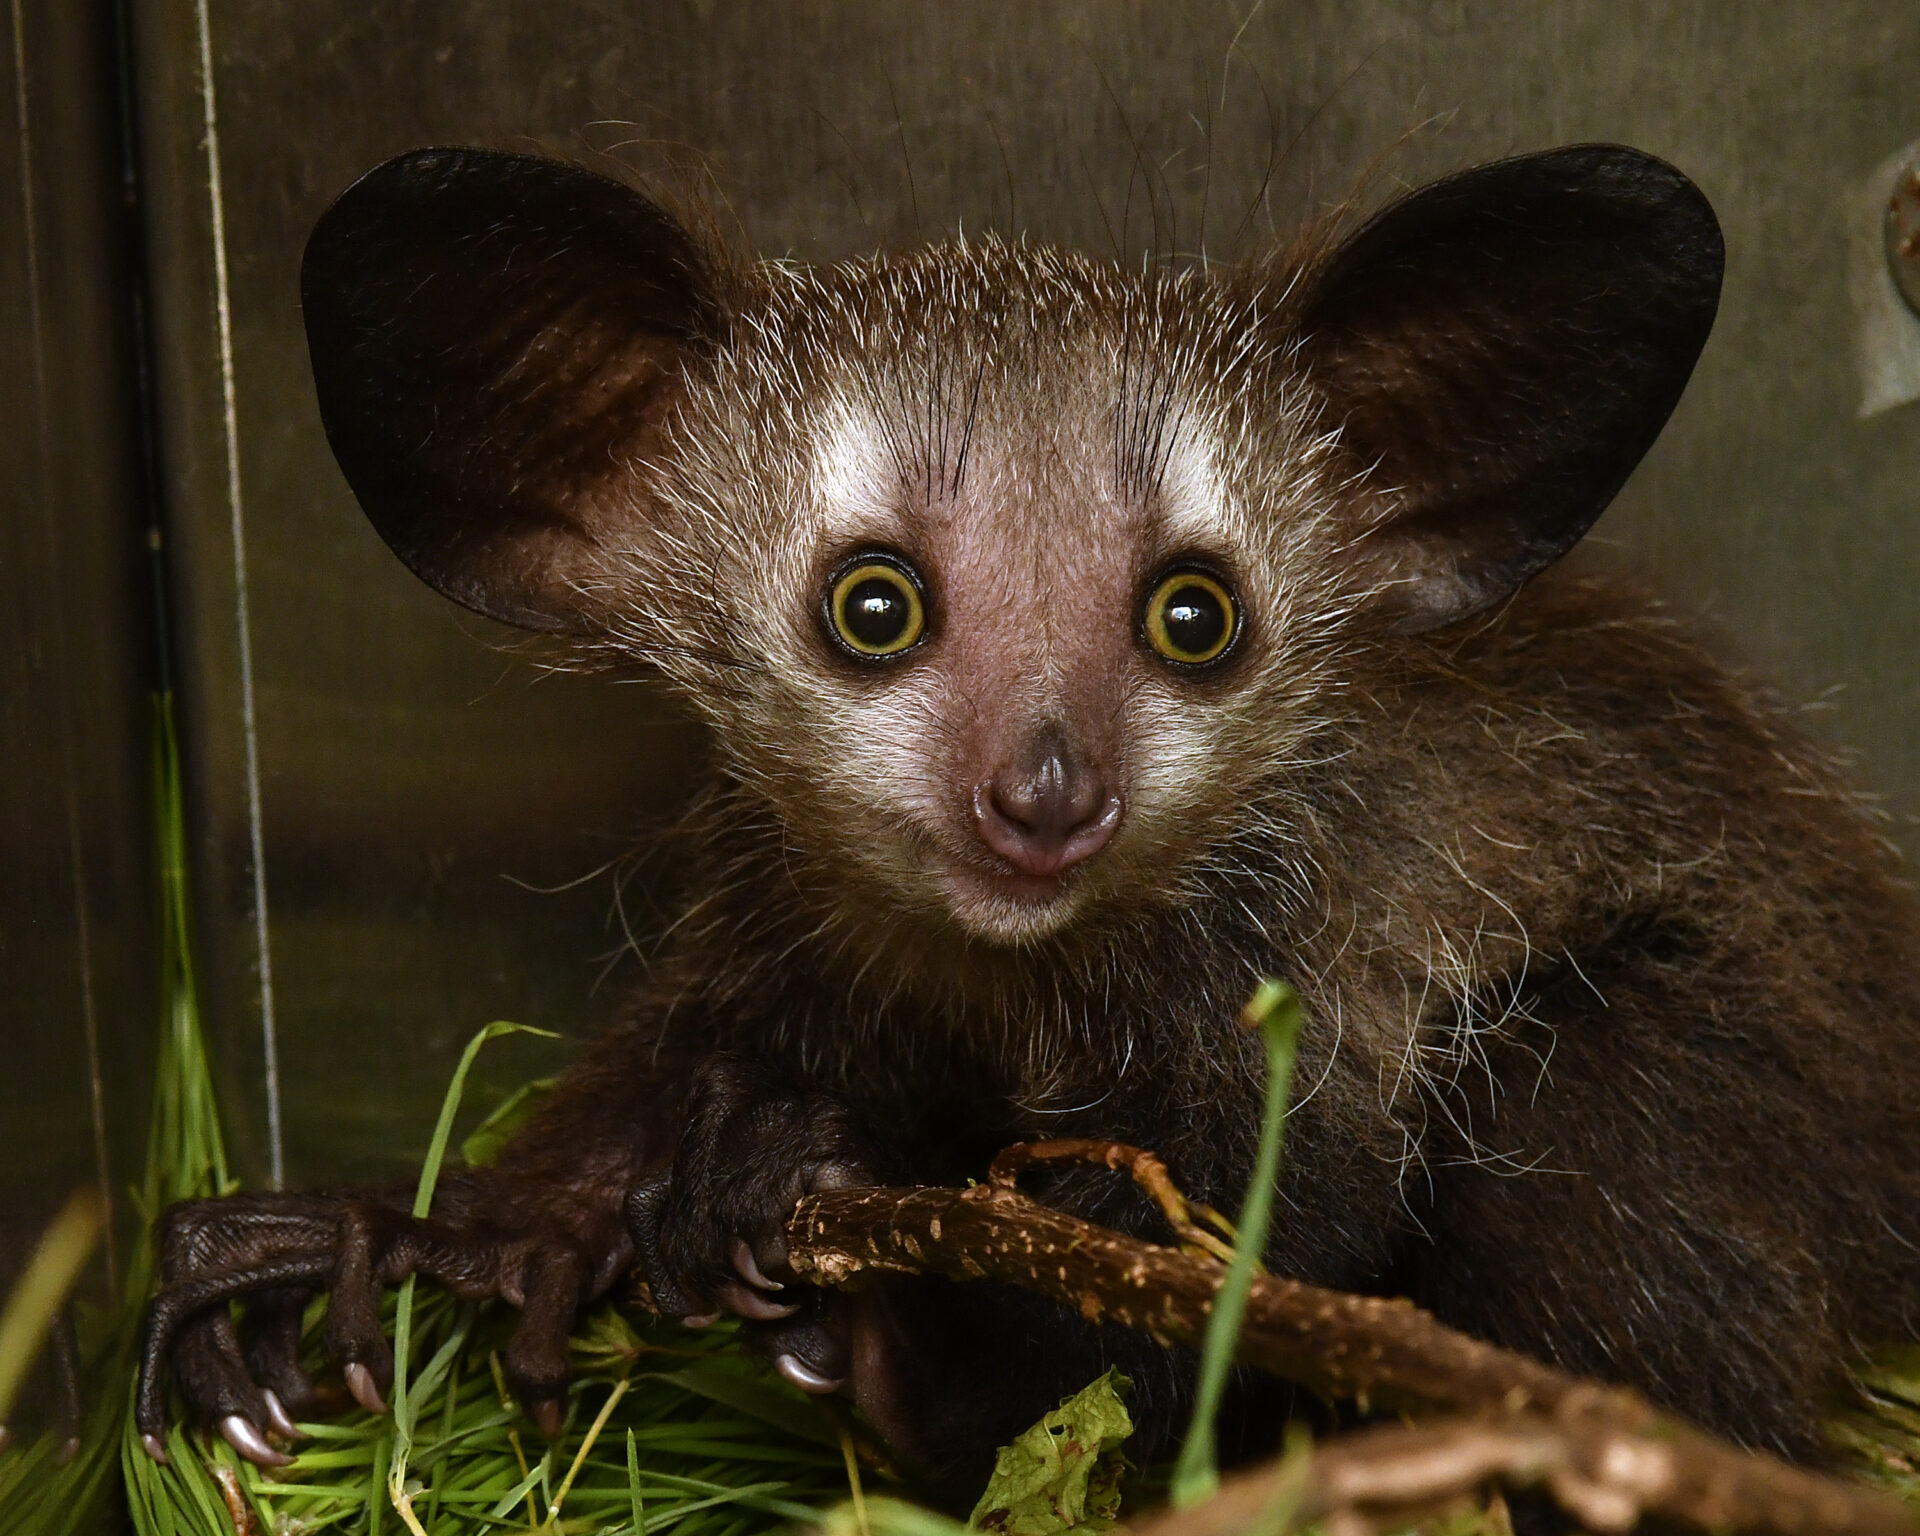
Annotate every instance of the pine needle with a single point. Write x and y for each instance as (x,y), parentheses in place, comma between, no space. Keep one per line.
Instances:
(34,1306)
(857,1493)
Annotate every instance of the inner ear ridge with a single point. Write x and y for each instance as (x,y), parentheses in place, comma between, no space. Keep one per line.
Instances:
(1507,414)
(494,337)
(570,430)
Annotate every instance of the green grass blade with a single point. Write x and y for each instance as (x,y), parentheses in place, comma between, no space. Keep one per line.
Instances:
(34,1304)
(404,1411)
(635,1503)
(1274,1010)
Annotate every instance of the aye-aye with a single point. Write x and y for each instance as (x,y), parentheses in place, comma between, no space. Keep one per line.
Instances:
(1079,645)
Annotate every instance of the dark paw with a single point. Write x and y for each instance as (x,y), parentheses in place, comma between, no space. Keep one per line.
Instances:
(273,1253)
(709,1230)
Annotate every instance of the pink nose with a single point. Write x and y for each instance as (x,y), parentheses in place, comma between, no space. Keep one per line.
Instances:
(1048,815)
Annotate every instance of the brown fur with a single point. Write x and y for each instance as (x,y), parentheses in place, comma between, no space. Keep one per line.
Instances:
(1612,989)
(1614,1026)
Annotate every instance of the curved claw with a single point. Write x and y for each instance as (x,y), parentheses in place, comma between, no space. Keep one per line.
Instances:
(700,1320)
(753,1306)
(365,1393)
(756,1308)
(250,1443)
(154,1448)
(548,1417)
(805,1377)
(748,1268)
(279,1421)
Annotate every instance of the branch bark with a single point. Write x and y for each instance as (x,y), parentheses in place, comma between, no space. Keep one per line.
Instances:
(1604,1452)
(1391,1477)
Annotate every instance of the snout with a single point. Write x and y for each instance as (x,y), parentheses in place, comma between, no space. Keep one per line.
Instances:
(1048,813)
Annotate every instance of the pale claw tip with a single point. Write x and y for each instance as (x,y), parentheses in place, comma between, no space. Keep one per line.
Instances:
(365,1393)
(700,1320)
(749,1268)
(805,1377)
(69,1448)
(250,1443)
(151,1444)
(278,1419)
(752,1305)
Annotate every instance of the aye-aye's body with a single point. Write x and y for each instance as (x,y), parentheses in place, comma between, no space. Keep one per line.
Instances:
(1079,648)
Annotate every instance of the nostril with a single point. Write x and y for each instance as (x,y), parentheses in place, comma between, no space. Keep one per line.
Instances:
(1009,805)
(1048,820)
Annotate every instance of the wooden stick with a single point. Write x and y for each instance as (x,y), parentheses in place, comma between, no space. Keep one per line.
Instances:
(1602,1451)
(1391,1477)
(1381,1352)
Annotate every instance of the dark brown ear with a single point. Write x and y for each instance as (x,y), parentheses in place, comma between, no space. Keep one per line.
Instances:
(1499,349)
(491,334)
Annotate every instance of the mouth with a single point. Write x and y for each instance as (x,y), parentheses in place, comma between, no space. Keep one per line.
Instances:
(1006,905)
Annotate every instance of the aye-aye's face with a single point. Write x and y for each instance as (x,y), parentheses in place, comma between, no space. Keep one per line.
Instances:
(1012,584)
(1018,559)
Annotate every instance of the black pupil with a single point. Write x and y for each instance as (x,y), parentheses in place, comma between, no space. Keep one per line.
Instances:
(876,612)
(1195,619)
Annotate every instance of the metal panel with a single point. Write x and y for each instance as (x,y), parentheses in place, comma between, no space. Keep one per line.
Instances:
(76,895)
(379,778)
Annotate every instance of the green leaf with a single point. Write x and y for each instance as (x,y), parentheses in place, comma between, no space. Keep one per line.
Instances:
(1063,1475)
(450,1105)
(1894,1371)
(485,1141)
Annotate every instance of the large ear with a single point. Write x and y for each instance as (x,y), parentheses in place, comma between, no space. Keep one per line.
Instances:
(491,334)
(1499,350)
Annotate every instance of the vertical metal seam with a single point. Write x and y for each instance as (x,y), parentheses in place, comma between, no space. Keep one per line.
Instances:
(83,931)
(269,1044)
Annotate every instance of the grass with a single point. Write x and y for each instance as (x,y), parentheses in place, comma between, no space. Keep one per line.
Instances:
(1274,1012)
(45,1490)
(667,1430)
(1879,1437)
(53,1270)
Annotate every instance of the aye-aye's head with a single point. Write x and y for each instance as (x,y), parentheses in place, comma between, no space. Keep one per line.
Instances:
(1010,581)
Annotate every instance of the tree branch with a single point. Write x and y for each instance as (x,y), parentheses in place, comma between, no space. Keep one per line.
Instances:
(1602,1451)
(1391,1477)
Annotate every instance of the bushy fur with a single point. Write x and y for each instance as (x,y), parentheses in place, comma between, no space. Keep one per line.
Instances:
(1610,979)
(1614,1026)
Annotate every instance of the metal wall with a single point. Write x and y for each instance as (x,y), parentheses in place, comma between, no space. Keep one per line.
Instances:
(77,977)
(381,790)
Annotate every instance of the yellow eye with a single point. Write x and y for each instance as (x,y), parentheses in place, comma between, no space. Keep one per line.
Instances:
(1191,618)
(875,609)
